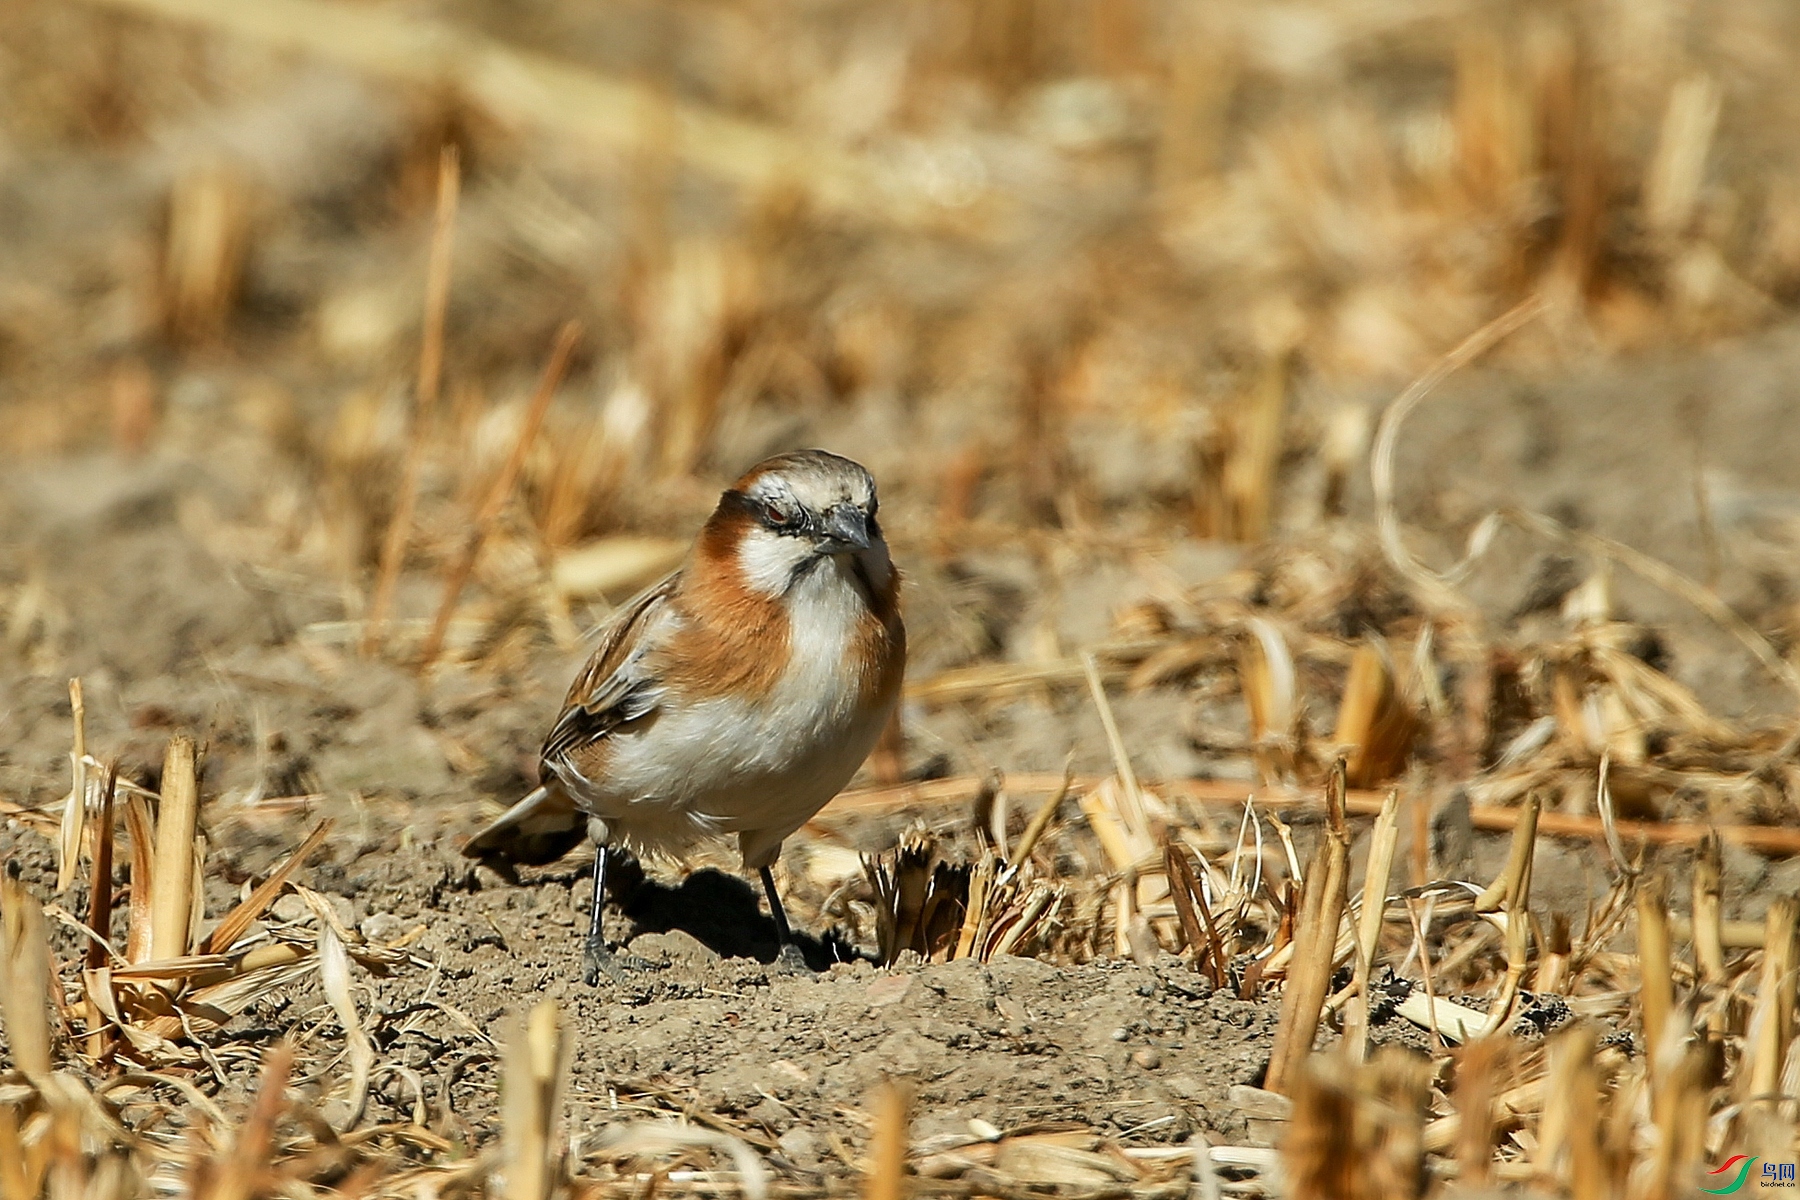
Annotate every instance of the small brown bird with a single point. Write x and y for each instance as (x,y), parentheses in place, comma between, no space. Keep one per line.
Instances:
(738,695)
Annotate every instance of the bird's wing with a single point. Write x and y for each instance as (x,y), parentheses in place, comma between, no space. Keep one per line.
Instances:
(612,688)
(615,686)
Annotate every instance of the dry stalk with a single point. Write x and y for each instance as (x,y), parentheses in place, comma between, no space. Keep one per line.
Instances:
(978,914)
(1656,984)
(244,1171)
(1477,1070)
(334,981)
(1381,454)
(431,363)
(1382,840)
(204,252)
(1040,822)
(1270,685)
(491,507)
(1765,839)
(99,918)
(173,879)
(1708,920)
(1772,1017)
(142,829)
(1552,974)
(16,1181)
(238,921)
(1423,948)
(68,846)
(1247,475)
(1309,972)
(1676,172)
(25,985)
(888,1143)
(1191,908)
(1136,822)
(535,1055)
(1568,1135)
(1357,1130)
(1375,721)
(1518,955)
(1678,1105)
(1508,885)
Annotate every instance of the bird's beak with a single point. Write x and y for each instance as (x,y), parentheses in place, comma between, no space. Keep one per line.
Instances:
(846,529)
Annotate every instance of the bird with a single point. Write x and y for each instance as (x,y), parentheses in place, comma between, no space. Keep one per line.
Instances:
(736,696)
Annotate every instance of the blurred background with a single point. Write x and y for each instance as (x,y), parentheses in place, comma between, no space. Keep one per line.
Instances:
(1108,294)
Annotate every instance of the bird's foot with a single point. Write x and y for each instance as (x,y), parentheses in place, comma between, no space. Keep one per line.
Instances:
(599,962)
(790,961)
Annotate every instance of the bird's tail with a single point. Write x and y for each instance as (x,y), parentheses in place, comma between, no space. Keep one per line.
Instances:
(539,829)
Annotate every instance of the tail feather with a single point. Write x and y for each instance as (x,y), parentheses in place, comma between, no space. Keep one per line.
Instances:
(539,829)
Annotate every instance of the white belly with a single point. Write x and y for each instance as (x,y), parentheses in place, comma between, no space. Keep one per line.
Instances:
(756,770)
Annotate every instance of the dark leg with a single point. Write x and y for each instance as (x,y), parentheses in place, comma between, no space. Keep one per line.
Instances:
(596,958)
(787,954)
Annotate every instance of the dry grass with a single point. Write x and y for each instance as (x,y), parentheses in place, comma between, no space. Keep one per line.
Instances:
(1223,250)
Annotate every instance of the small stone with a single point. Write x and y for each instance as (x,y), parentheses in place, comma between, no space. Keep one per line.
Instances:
(383,927)
(800,1145)
(1121,1034)
(290,908)
(1147,1059)
(791,1073)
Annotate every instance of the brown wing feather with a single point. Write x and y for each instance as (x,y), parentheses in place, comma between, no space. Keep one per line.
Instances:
(608,691)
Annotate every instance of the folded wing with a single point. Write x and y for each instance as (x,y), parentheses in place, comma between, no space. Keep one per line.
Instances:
(612,689)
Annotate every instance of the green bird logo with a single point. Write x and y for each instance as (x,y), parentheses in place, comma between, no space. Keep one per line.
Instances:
(1748,1160)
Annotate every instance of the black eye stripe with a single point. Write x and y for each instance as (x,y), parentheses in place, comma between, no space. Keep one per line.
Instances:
(800,521)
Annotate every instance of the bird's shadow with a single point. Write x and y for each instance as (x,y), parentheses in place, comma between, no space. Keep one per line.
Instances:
(725,914)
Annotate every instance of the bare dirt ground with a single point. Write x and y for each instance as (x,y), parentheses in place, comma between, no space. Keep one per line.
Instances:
(1109,297)
(168,630)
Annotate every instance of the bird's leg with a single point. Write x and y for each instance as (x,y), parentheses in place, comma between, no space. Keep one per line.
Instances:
(787,953)
(597,958)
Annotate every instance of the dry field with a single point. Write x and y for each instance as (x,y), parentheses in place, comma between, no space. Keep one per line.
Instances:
(1343,455)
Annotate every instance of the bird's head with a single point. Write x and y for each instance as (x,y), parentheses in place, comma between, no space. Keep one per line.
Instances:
(792,513)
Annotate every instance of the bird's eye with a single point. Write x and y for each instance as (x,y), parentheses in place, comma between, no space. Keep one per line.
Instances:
(776,514)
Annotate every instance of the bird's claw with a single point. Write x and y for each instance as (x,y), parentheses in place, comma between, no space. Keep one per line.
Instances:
(598,962)
(790,961)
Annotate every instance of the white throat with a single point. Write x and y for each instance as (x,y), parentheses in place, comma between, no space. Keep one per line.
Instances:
(769,561)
